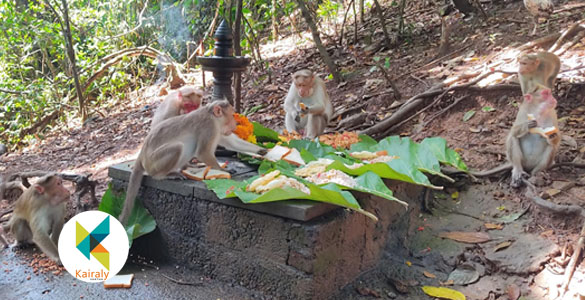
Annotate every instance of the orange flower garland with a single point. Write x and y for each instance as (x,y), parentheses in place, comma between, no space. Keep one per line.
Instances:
(244,128)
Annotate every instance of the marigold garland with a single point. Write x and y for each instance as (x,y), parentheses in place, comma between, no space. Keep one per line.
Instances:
(244,128)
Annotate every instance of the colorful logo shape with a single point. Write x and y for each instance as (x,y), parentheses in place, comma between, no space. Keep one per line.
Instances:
(90,243)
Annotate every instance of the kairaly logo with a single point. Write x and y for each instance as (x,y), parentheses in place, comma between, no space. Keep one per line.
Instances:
(93,246)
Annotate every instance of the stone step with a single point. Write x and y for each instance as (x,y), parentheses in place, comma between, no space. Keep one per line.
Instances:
(288,249)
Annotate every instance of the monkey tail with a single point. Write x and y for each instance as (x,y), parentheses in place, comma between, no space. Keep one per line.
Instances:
(133,188)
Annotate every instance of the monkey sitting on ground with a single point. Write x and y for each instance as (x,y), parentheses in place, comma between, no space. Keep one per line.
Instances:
(534,139)
(184,100)
(537,69)
(307,105)
(39,215)
(170,145)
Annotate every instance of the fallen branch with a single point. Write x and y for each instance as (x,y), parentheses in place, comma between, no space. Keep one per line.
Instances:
(532,194)
(414,102)
(416,114)
(443,111)
(570,270)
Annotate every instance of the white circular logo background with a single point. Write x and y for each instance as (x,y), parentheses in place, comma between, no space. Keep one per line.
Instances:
(93,246)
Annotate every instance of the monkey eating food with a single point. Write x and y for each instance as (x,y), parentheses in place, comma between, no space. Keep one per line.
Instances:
(39,214)
(307,105)
(527,148)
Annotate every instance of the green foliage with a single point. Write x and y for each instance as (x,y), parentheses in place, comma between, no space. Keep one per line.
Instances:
(140,221)
(35,66)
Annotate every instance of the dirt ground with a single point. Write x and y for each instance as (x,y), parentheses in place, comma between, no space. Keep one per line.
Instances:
(114,135)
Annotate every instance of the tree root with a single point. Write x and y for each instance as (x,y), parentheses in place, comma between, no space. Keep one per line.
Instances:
(563,210)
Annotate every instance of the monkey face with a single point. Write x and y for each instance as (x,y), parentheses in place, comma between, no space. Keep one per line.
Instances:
(528,64)
(56,192)
(304,86)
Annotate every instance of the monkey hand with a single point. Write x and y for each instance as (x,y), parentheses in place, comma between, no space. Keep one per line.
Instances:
(297,117)
(262,151)
(532,124)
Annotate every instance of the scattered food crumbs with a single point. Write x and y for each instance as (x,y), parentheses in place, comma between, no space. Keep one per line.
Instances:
(81,297)
(28,277)
(146,284)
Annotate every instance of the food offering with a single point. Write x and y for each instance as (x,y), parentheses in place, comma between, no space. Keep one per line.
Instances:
(290,155)
(273,180)
(340,140)
(316,172)
(372,157)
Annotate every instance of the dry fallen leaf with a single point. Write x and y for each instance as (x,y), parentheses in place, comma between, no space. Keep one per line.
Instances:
(364,291)
(502,245)
(466,237)
(490,226)
(429,274)
(443,292)
(547,233)
(448,282)
(513,292)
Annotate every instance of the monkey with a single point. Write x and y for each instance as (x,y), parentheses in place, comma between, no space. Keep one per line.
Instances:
(184,100)
(541,68)
(170,145)
(175,105)
(307,105)
(39,215)
(527,150)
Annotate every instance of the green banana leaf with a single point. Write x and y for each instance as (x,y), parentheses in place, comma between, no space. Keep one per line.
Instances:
(413,154)
(140,221)
(443,153)
(264,134)
(329,193)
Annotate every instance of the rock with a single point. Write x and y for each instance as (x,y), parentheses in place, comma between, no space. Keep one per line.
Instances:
(516,260)
(392,295)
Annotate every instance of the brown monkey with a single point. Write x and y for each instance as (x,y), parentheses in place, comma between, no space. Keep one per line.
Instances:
(38,215)
(533,139)
(541,68)
(307,105)
(173,106)
(184,100)
(170,145)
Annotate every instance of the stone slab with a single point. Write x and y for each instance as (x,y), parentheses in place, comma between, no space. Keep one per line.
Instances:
(301,210)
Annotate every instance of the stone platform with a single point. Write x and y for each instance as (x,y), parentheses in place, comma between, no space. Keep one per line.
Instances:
(289,249)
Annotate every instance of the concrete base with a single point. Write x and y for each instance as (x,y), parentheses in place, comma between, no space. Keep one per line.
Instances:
(279,256)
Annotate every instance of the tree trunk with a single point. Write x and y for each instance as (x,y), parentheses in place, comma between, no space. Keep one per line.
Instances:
(380,14)
(71,55)
(315,32)
(274,22)
(238,52)
(401,18)
(355,24)
(362,11)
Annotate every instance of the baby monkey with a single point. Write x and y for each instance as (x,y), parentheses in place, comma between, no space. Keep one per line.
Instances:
(534,138)
(537,69)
